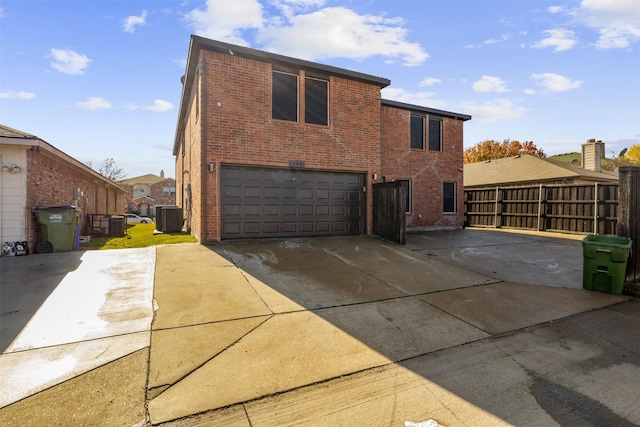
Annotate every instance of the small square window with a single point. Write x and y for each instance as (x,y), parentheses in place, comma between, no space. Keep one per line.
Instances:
(435,134)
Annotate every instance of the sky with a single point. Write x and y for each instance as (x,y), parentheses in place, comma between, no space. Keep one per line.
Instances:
(100,79)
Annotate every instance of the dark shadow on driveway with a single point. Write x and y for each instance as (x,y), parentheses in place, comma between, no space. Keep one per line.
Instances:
(447,306)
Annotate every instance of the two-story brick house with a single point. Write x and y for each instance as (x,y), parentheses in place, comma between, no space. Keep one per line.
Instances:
(268,145)
(145,192)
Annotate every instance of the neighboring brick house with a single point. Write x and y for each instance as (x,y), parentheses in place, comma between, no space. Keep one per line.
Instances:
(268,145)
(35,174)
(145,192)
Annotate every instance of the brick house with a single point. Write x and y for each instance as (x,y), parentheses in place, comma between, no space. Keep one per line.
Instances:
(145,192)
(271,146)
(35,174)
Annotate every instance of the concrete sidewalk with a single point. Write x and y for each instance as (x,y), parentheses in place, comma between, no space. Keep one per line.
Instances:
(357,331)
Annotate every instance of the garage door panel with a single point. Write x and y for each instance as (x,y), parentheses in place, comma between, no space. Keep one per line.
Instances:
(232,210)
(323,210)
(271,210)
(233,191)
(279,202)
(306,194)
(289,193)
(338,195)
(253,210)
(253,192)
(322,194)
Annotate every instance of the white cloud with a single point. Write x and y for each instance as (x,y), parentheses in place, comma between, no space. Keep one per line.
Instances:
(225,20)
(340,32)
(424,99)
(94,103)
(68,61)
(529,91)
(9,94)
(555,82)
(305,29)
(159,106)
(616,21)
(429,81)
(492,111)
(490,84)
(503,38)
(559,39)
(555,9)
(131,22)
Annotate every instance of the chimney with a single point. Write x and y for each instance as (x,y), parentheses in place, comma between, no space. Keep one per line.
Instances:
(161,173)
(592,155)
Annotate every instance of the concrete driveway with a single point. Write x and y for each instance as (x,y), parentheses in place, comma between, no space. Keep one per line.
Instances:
(467,327)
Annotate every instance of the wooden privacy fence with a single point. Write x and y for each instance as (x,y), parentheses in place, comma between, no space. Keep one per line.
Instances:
(389,211)
(574,208)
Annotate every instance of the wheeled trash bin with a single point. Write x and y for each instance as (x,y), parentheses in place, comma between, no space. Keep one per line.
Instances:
(58,228)
(605,263)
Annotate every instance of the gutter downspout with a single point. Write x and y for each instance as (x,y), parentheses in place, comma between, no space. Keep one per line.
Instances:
(203,148)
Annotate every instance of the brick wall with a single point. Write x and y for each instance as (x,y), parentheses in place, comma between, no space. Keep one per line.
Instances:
(239,130)
(229,114)
(157,192)
(427,170)
(189,167)
(51,181)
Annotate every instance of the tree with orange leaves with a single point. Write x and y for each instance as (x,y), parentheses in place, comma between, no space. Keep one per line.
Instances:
(491,149)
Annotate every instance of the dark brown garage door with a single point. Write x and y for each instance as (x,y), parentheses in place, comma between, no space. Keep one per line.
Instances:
(266,202)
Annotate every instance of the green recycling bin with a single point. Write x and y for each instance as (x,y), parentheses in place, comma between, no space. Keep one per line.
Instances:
(605,263)
(58,228)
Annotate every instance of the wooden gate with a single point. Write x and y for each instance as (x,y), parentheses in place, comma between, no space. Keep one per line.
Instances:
(389,211)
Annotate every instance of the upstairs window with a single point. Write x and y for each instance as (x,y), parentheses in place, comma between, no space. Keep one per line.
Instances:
(168,191)
(417,132)
(316,101)
(435,134)
(284,94)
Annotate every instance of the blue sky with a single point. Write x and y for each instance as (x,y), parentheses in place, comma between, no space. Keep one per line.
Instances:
(101,78)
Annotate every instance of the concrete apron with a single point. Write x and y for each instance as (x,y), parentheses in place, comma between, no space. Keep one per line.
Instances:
(66,314)
(318,323)
(321,331)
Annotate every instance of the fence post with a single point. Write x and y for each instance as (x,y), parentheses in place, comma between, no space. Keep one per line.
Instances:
(495,210)
(629,215)
(595,209)
(539,206)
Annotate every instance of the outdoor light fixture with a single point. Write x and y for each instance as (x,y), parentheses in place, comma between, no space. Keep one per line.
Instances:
(12,169)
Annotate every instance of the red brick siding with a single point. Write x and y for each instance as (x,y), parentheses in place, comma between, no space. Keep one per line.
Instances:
(239,128)
(51,181)
(188,166)
(426,169)
(157,192)
(230,113)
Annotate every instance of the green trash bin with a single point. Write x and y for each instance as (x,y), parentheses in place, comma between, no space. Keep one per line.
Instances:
(58,228)
(605,263)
